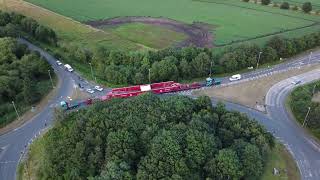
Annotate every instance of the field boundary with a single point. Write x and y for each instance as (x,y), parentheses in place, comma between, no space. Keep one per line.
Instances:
(267,35)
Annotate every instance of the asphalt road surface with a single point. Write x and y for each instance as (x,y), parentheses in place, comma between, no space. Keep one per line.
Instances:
(13,144)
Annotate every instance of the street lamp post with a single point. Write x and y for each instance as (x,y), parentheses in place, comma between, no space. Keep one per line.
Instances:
(92,72)
(14,106)
(211,68)
(149,76)
(258,59)
(314,89)
(305,119)
(50,78)
(310,56)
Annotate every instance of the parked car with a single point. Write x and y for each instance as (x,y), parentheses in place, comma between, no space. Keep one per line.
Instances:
(98,88)
(235,77)
(296,82)
(68,67)
(58,63)
(90,91)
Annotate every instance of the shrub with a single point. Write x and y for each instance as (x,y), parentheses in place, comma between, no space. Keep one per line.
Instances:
(307,7)
(275,5)
(295,8)
(265,2)
(245,0)
(285,5)
(318,12)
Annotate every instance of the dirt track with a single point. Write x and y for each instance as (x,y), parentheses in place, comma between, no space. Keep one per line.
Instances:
(198,33)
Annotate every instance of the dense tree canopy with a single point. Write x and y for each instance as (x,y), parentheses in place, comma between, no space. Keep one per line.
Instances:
(14,25)
(118,67)
(22,74)
(148,137)
(301,100)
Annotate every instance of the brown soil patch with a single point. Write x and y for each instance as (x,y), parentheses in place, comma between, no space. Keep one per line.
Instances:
(199,34)
(316,97)
(252,93)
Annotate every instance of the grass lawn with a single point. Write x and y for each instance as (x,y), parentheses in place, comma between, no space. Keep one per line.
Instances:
(153,36)
(282,160)
(230,17)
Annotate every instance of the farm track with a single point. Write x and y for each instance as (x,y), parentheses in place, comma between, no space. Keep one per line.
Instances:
(198,33)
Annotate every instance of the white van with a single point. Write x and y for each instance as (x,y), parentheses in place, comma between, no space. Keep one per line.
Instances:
(235,77)
(68,67)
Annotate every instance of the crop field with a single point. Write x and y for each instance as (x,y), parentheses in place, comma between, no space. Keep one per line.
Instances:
(233,20)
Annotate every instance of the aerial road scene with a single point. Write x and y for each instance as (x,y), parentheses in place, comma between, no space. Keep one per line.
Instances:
(159,89)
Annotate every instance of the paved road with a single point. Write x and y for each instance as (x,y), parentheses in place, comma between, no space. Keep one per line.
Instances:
(304,149)
(13,143)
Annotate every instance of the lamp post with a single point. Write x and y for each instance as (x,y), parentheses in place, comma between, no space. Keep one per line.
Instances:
(14,106)
(258,59)
(50,78)
(305,119)
(92,72)
(310,55)
(211,63)
(149,76)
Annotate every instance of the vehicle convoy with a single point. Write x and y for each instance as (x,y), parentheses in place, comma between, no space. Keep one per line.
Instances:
(131,91)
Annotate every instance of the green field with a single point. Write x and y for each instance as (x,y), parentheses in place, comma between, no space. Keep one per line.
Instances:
(156,37)
(233,19)
(315,3)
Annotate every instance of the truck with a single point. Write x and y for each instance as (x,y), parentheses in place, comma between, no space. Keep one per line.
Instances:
(132,91)
(212,81)
(75,104)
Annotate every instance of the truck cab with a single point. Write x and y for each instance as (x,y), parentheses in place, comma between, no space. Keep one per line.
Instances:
(212,81)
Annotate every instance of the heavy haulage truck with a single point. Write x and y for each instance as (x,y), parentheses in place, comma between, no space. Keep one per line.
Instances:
(131,91)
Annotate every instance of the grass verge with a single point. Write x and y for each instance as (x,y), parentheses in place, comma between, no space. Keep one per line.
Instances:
(282,160)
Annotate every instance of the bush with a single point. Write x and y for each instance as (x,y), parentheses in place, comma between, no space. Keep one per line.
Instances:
(295,8)
(275,4)
(245,0)
(265,2)
(285,5)
(307,7)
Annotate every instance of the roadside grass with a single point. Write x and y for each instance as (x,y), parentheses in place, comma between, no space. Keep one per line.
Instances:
(251,92)
(30,167)
(282,160)
(153,36)
(228,29)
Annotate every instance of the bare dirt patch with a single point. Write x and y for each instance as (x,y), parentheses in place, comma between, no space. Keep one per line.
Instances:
(316,97)
(198,33)
(252,93)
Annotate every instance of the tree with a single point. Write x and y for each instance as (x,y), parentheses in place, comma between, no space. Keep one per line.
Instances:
(164,70)
(307,7)
(201,64)
(227,165)
(285,5)
(265,2)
